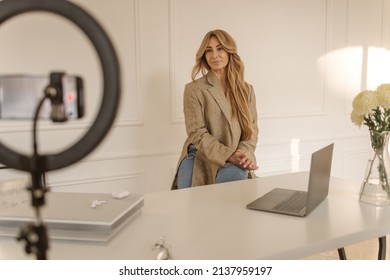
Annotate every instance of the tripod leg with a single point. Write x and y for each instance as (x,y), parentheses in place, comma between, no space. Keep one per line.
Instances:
(382,248)
(342,254)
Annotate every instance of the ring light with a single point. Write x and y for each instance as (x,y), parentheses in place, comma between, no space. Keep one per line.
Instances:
(111,87)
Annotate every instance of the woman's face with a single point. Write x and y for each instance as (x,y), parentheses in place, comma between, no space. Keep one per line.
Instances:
(216,57)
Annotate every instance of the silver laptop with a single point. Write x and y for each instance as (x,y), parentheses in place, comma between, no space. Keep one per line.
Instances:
(300,203)
(70,216)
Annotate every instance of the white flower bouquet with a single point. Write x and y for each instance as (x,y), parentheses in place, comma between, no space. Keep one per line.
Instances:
(372,108)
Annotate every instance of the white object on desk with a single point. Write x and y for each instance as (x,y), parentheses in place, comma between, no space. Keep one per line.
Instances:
(120,195)
(96,203)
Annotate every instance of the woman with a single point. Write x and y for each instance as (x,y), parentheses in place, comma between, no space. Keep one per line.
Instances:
(220,117)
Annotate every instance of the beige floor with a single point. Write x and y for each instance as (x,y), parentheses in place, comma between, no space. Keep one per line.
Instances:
(367,250)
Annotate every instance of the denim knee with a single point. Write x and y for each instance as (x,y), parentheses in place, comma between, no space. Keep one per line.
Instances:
(231,173)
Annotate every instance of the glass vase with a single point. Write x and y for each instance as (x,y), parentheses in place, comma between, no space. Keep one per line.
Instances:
(376,189)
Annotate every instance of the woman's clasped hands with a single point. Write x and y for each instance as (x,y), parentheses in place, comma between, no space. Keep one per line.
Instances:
(240,159)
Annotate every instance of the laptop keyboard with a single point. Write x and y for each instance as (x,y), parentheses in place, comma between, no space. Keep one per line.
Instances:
(295,203)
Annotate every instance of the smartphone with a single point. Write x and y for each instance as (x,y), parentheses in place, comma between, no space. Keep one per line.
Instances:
(21,94)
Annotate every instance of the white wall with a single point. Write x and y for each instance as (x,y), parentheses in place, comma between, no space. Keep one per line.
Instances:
(306,59)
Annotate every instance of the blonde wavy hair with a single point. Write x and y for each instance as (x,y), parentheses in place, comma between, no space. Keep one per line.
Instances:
(237,87)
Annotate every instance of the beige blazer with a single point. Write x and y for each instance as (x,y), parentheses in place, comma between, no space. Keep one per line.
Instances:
(212,129)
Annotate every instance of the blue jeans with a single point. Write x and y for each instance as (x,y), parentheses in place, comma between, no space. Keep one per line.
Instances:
(224,174)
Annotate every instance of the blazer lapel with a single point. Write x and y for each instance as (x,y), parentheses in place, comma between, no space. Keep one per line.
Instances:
(219,96)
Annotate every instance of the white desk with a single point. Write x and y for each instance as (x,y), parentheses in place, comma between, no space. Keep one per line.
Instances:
(212,222)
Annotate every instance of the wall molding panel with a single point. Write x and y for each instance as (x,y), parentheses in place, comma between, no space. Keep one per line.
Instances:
(176,111)
(177,83)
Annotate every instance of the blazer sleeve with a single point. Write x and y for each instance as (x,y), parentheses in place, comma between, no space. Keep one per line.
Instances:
(249,146)
(197,130)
